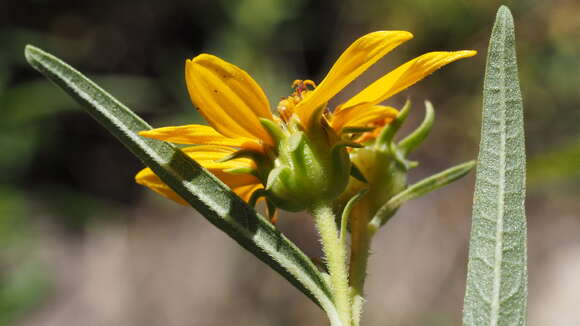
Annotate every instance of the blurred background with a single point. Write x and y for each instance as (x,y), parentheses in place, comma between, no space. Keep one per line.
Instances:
(81,244)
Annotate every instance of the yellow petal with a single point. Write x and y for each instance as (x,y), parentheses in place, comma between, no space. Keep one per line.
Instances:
(198,134)
(359,56)
(229,99)
(236,180)
(245,192)
(361,116)
(405,76)
(242,186)
(147,178)
(205,156)
(208,156)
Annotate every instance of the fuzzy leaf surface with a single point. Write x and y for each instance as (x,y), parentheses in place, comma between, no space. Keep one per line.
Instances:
(496,293)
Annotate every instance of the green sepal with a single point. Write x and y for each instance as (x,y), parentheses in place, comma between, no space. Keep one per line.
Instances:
(419,189)
(338,153)
(297,143)
(314,122)
(383,142)
(274,175)
(346,212)
(273,130)
(294,141)
(413,140)
(400,158)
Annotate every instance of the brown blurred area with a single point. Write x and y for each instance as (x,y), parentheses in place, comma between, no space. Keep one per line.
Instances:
(81,244)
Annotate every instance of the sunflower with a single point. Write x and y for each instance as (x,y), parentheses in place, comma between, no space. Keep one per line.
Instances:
(299,153)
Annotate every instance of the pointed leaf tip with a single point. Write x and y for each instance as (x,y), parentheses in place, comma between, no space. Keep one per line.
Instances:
(504,12)
(29,51)
(496,287)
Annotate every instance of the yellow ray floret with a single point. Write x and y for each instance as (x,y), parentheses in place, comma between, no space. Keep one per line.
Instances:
(229,99)
(242,184)
(199,134)
(404,76)
(361,116)
(357,58)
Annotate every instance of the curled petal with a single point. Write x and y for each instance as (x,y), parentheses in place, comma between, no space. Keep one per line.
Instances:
(229,99)
(357,58)
(199,134)
(405,76)
(361,116)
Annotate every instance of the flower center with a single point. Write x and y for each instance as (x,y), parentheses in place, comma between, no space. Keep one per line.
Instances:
(301,89)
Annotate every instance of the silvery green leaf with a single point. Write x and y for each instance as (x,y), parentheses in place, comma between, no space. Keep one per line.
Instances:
(496,293)
(215,201)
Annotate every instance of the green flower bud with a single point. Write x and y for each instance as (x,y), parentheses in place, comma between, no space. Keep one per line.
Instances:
(383,163)
(310,168)
(386,177)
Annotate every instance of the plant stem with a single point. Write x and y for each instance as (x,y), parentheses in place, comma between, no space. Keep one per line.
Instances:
(361,235)
(334,249)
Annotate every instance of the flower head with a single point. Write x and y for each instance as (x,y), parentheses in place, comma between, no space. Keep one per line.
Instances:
(298,155)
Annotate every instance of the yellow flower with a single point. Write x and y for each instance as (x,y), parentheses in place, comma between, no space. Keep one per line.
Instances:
(244,130)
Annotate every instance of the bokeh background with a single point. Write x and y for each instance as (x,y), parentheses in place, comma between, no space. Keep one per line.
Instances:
(81,244)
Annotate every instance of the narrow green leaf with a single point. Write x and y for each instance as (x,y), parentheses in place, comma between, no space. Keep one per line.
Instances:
(202,190)
(419,189)
(496,292)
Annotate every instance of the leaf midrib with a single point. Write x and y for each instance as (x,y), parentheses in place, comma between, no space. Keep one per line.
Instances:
(496,291)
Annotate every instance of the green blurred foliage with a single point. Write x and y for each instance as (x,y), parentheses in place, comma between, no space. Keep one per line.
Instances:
(23,282)
(554,167)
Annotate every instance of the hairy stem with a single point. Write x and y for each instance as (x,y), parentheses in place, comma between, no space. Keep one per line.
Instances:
(334,248)
(361,235)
